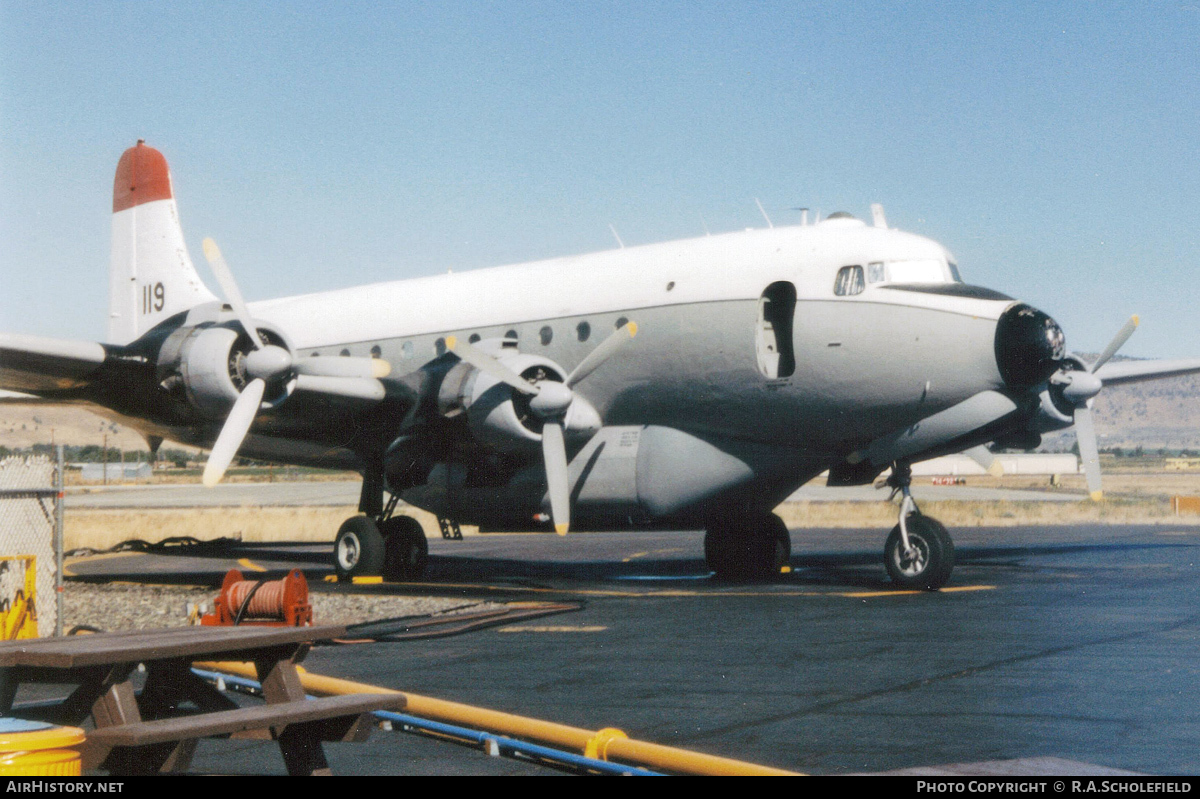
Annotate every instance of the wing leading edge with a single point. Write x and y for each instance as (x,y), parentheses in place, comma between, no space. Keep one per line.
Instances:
(47,365)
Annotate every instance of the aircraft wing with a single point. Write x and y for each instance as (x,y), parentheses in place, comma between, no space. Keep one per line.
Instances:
(1114,373)
(38,365)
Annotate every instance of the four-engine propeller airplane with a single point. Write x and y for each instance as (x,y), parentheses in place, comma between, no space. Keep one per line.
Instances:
(695,382)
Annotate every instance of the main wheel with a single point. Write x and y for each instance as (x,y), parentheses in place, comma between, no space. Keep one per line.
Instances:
(928,564)
(405,550)
(752,547)
(358,548)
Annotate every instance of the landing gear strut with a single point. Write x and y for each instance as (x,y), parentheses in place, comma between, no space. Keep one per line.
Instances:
(919,553)
(380,543)
(748,547)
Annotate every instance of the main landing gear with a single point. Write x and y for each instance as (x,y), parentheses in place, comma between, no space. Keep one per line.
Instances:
(393,547)
(919,553)
(754,546)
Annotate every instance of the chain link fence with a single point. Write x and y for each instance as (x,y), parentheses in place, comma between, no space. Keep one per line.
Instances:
(31,498)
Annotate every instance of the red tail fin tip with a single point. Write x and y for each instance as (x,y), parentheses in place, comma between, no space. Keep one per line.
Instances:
(142,177)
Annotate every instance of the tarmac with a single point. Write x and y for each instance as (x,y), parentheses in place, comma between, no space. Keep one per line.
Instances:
(1066,649)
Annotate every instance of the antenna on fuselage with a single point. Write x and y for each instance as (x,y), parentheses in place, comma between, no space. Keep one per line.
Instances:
(764,213)
(803,215)
(616,236)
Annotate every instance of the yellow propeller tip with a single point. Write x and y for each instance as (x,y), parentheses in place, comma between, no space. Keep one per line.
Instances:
(633,328)
(211,251)
(561,529)
(380,368)
(996,469)
(1137,320)
(1097,496)
(451,342)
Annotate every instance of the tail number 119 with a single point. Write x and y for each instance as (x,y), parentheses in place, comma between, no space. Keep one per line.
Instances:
(153,298)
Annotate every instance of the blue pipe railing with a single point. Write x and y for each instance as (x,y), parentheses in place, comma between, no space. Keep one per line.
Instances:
(495,745)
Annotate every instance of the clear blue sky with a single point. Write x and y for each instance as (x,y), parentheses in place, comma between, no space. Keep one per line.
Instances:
(1052,147)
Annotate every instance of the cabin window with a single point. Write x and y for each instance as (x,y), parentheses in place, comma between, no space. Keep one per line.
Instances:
(376,351)
(621,322)
(583,330)
(345,353)
(473,338)
(773,342)
(849,281)
(511,334)
(440,346)
(546,335)
(407,349)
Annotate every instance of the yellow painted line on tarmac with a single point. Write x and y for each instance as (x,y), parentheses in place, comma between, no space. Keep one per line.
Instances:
(634,555)
(560,628)
(245,563)
(88,558)
(952,589)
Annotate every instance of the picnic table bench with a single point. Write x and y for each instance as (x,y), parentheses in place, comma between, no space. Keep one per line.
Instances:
(157,730)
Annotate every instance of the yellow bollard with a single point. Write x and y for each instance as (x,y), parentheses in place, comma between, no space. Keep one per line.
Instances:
(37,749)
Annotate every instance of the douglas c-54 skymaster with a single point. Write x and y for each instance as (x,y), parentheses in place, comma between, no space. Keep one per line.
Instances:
(695,383)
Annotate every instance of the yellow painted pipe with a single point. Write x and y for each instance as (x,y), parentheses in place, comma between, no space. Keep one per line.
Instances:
(607,744)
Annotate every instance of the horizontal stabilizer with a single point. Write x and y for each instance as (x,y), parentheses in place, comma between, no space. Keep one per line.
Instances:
(36,364)
(1118,372)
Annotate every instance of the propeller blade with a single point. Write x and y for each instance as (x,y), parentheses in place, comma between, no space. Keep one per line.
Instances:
(229,288)
(1117,342)
(554,453)
(1085,435)
(602,353)
(342,366)
(358,388)
(984,457)
(237,424)
(486,363)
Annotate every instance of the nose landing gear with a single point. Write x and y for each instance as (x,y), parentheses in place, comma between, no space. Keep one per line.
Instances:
(919,553)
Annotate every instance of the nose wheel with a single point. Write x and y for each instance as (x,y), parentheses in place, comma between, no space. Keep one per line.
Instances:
(918,554)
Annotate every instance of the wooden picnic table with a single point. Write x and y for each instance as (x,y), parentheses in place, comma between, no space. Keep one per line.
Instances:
(157,730)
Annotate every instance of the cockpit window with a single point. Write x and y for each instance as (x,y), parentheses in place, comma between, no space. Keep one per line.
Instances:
(849,281)
(876,273)
(928,270)
(954,272)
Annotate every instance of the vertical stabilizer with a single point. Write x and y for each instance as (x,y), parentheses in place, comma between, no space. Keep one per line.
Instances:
(151,276)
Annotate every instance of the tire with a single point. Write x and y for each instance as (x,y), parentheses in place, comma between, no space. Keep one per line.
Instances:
(405,549)
(931,568)
(358,549)
(748,548)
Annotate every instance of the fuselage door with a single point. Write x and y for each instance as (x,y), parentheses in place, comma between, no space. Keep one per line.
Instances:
(773,334)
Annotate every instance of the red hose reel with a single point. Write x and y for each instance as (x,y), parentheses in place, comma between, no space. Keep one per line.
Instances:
(274,603)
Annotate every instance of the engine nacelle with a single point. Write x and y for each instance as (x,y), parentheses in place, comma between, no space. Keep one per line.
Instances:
(209,360)
(1054,412)
(499,416)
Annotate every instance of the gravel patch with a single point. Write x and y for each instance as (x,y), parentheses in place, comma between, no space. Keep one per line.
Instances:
(125,606)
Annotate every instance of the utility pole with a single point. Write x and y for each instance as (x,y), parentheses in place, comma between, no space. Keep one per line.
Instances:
(105,459)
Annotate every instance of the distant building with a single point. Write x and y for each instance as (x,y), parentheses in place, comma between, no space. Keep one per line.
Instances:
(117,472)
(1028,463)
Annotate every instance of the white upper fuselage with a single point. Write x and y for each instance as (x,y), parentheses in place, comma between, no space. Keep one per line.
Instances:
(732,266)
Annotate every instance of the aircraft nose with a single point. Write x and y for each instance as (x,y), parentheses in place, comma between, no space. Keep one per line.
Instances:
(1029,346)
